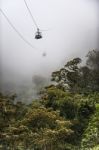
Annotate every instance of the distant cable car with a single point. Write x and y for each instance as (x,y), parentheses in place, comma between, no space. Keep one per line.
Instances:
(44,54)
(38,34)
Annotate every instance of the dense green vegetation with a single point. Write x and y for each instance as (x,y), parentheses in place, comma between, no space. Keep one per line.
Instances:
(64,118)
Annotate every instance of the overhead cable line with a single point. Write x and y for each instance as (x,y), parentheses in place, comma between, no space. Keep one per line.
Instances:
(33,18)
(38,33)
(19,34)
(31,14)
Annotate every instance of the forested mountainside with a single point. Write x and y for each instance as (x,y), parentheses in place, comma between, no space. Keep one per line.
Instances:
(65,117)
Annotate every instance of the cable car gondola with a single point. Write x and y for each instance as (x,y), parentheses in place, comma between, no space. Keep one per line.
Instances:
(38,34)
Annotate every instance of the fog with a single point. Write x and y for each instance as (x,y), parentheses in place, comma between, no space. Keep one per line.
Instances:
(70,30)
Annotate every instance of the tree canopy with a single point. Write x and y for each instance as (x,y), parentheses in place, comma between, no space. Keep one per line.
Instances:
(65,117)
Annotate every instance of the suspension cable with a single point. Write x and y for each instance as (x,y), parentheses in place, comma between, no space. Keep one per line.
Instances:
(33,18)
(19,34)
(31,15)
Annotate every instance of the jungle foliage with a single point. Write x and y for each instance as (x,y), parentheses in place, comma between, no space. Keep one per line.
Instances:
(66,117)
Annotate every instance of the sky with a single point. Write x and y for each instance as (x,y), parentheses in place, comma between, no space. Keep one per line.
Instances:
(69,29)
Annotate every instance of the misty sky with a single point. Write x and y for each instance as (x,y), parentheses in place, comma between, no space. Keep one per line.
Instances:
(72,31)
